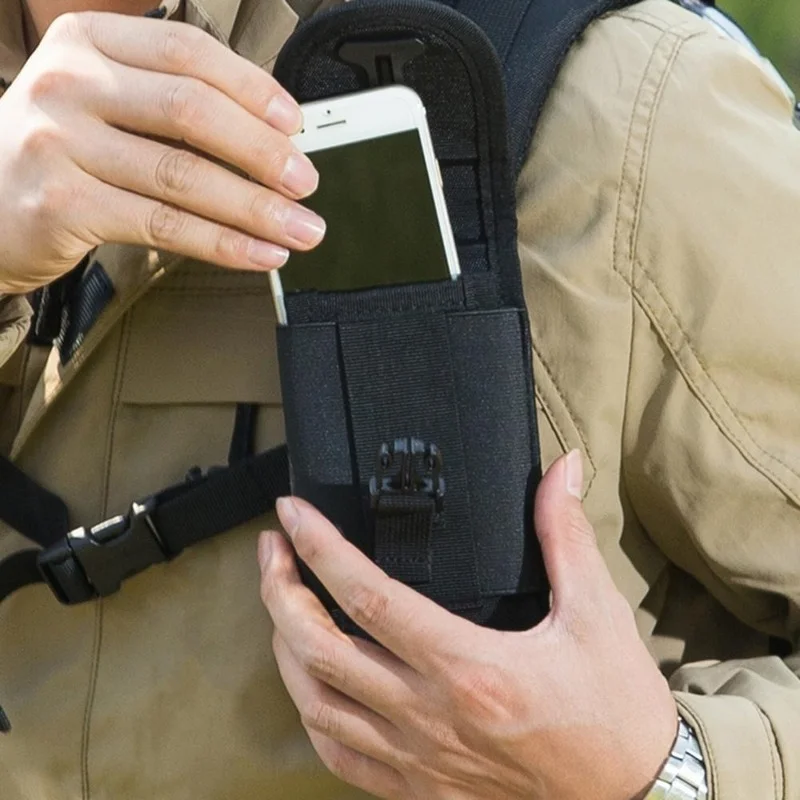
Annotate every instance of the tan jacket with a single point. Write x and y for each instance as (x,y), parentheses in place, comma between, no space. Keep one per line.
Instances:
(659,241)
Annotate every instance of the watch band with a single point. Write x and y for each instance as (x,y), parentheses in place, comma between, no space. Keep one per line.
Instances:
(684,776)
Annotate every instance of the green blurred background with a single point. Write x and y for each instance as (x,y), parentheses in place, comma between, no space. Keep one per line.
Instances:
(774,25)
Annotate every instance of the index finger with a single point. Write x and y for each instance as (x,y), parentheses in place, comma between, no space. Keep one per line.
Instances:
(176,48)
(421,633)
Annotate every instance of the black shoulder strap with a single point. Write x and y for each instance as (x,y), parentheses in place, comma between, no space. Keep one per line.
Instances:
(532,39)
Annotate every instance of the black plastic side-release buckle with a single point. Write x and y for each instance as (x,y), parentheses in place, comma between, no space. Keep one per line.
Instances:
(408,467)
(94,562)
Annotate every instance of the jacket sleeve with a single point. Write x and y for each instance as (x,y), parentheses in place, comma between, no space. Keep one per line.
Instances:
(712,449)
(15,320)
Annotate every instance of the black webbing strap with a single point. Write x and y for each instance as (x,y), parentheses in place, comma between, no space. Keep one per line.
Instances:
(403,535)
(388,377)
(94,563)
(242,444)
(28,508)
(532,38)
(85,564)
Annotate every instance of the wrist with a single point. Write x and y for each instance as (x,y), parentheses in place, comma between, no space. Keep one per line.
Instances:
(683,776)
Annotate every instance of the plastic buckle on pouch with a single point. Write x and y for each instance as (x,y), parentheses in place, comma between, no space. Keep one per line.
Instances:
(93,562)
(408,467)
(382,61)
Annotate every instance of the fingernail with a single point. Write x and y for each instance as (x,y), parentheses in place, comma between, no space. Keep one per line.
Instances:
(304,226)
(266,254)
(284,114)
(289,515)
(264,550)
(300,176)
(573,474)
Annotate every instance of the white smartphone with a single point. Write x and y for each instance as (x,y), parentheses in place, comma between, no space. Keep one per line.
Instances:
(380,193)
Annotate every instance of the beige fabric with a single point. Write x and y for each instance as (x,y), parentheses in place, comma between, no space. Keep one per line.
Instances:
(658,239)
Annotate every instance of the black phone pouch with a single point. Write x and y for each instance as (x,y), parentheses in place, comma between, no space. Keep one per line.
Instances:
(409,409)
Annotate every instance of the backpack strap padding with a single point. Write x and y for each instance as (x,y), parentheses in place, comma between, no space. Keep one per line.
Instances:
(532,39)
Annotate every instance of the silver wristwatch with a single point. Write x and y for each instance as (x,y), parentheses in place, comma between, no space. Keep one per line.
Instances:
(684,776)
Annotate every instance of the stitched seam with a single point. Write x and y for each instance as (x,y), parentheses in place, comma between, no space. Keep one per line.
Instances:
(90,694)
(776,758)
(548,412)
(708,753)
(559,434)
(618,223)
(98,640)
(648,140)
(623,169)
(572,415)
(721,423)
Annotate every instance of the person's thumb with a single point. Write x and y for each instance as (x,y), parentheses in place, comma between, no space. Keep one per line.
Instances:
(574,564)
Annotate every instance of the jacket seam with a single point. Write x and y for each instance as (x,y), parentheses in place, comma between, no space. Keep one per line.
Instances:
(635,190)
(705,739)
(775,753)
(745,443)
(570,413)
(97,642)
(618,237)
(738,440)
(122,356)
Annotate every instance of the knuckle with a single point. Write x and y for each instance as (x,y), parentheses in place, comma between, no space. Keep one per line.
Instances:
(265,210)
(271,155)
(50,202)
(176,173)
(229,247)
(42,142)
(183,103)
(164,225)
(308,548)
(367,608)
(339,761)
(175,50)
(322,662)
(54,83)
(319,716)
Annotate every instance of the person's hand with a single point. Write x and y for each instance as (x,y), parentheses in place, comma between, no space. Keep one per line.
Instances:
(132,130)
(573,709)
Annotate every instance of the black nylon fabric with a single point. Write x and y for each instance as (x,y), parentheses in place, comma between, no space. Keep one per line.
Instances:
(404,527)
(86,301)
(397,363)
(29,508)
(399,382)
(181,515)
(223,500)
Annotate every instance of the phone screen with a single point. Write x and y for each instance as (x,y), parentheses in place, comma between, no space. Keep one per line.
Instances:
(376,198)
